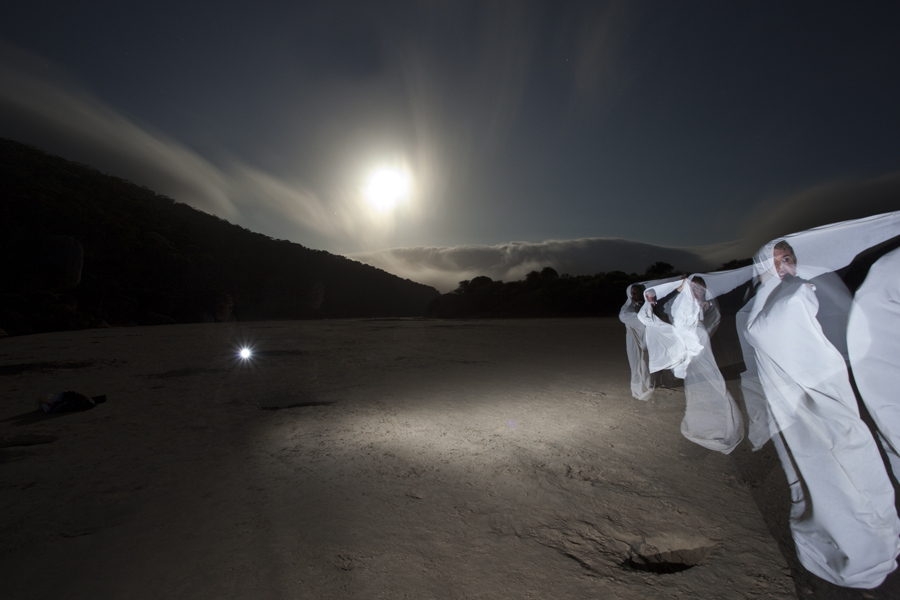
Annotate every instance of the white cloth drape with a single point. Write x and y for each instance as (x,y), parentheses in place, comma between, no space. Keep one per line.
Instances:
(843,520)
(711,417)
(873,340)
(670,347)
(636,349)
(797,389)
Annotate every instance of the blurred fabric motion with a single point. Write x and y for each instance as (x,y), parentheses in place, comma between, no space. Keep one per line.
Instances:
(805,338)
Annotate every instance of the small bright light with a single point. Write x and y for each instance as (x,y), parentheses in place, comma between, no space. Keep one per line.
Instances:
(386,187)
(245,353)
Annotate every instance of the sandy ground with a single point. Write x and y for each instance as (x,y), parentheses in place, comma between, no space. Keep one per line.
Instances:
(374,459)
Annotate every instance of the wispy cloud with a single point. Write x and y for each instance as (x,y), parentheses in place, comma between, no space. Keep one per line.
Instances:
(63,119)
(60,117)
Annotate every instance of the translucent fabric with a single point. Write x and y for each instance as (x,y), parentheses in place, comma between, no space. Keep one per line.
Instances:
(843,523)
(830,247)
(874,349)
(711,418)
(795,341)
(843,519)
(636,348)
(818,252)
(669,346)
(761,426)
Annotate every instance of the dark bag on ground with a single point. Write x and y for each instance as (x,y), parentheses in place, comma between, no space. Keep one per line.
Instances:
(69,401)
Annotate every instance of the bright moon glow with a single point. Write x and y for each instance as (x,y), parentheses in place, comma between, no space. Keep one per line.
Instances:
(386,187)
(245,353)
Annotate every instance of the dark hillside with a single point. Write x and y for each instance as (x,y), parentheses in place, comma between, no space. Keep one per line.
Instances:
(83,249)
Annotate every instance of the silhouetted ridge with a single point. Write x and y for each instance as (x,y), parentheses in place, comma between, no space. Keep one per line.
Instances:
(83,249)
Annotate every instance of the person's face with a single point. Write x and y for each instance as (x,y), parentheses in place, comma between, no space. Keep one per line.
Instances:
(785,263)
(699,292)
(637,294)
(651,297)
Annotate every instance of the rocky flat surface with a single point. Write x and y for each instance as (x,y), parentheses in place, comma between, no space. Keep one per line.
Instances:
(372,459)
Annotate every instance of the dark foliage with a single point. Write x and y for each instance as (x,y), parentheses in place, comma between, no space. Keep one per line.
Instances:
(83,249)
(659,270)
(736,264)
(541,294)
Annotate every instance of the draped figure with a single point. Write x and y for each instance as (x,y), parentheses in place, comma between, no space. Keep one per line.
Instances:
(843,519)
(873,346)
(682,342)
(635,346)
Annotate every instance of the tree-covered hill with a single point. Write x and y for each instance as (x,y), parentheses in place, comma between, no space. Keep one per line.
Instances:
(81,249)
(544,294)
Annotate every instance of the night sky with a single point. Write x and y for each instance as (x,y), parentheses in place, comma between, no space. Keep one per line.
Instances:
(667,123)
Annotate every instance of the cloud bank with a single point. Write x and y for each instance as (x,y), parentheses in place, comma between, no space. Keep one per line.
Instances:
(445,267)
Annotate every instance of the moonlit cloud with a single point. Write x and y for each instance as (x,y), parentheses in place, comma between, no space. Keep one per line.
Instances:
(445,267)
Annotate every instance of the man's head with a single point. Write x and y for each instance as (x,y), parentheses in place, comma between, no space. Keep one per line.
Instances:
(698,288)
(650,295)
(785,260)
(637,293)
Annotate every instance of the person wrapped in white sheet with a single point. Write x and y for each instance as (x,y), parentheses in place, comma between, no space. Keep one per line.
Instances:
(641,383)
(669,347)
(873,340)
(843,519)
(711,417)
(829,248)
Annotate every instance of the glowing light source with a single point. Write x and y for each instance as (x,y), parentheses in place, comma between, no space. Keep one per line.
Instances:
(245,353)
(386,187)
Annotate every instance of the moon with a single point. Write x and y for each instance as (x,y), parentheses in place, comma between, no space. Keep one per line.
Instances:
(386,187)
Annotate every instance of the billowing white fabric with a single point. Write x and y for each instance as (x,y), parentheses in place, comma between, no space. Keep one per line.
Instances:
(832,247)
(636,348)
(761,426)
(845,526)
(825,249)
(873,340)
(670,347)
(711,417)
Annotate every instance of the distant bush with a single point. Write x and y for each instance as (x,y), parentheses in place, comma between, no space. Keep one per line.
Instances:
(542,294)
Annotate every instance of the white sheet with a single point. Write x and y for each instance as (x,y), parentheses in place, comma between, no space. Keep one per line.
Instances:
(711,418)
(873,340)
(636,348)
(843,521)
(669,346)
